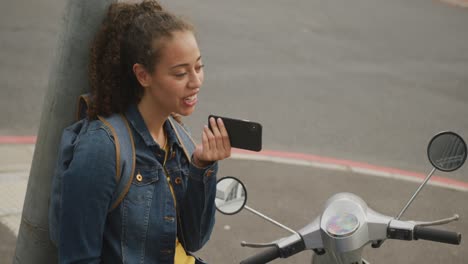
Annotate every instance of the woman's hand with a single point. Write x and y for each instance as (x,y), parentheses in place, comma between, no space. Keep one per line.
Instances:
(215,144)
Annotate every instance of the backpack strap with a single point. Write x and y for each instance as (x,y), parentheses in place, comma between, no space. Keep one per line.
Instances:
(84,101)
(187,142)
(125,155)
(124,148)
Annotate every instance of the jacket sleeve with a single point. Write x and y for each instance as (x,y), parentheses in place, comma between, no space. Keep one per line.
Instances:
(88,186)
(198,208)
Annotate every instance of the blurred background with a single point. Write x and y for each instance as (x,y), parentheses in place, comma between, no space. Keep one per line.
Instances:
(368,81)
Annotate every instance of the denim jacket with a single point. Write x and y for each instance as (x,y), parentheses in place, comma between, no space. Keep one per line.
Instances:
(144,227)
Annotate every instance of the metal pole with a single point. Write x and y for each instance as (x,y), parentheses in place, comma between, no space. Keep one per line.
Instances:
(67,80)
(269,219)
(415,194)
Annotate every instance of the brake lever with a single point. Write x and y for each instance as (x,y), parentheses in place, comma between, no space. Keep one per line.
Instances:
(280,242)
(258,245)
(271,244)
(444,221)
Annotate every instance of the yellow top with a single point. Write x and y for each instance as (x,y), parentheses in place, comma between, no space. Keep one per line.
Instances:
(180,256)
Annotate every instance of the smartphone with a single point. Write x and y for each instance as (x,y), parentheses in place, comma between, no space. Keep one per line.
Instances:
(243,134)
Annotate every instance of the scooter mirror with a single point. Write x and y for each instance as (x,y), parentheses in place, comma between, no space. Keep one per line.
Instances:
(231,195)
(447,151)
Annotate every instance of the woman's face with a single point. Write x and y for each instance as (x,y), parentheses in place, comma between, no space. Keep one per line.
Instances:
(176,80)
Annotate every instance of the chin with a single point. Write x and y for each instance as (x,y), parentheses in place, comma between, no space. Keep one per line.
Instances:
(186,112)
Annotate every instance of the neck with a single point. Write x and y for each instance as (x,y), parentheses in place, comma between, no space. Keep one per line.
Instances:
(154,119)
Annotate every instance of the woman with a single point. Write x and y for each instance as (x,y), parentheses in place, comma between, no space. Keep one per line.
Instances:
(145,64)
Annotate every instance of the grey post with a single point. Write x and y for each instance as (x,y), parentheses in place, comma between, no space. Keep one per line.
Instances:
(68,79)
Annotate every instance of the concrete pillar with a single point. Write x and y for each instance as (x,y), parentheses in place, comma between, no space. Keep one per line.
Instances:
(68,79)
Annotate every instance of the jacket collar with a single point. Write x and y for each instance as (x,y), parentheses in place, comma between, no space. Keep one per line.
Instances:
(134,117)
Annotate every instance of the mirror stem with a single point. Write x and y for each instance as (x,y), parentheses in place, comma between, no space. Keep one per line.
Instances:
(416,193)
(270,220)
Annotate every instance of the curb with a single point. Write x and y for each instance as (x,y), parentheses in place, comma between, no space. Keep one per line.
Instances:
(18,139)
(308,160)
(458,3)
(314,161)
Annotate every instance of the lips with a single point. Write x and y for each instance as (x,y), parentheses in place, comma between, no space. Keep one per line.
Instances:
(191,100)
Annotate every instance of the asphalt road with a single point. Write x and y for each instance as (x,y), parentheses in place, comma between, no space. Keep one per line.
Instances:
(364,80)
(295,196)
(369,81)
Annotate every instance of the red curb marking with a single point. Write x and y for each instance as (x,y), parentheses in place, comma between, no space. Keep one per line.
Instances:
(352,164)
(18,139)
(457,3)
(292,155)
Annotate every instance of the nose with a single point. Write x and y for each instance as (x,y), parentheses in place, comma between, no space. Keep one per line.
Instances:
(196,80)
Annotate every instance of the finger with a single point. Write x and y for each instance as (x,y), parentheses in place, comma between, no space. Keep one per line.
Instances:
(225,136)
(214,127)
(217,134)
(211,140)
(205,143)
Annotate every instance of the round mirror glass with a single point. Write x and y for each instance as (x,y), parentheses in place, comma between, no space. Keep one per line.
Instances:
(447,151)
(231,195)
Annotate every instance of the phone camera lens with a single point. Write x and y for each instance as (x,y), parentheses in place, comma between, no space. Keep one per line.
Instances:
(253,128)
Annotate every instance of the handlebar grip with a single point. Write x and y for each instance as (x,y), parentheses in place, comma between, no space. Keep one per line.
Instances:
(437,235)
(263,257)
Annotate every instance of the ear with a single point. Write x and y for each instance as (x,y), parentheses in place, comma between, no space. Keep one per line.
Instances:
(142,75)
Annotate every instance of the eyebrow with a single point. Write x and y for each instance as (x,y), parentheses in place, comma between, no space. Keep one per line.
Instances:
(183,64)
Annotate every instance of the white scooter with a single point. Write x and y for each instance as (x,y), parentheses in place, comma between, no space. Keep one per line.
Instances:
(347,224)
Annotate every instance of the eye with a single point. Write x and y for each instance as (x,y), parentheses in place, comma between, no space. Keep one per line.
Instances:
(199,67)
(180,75)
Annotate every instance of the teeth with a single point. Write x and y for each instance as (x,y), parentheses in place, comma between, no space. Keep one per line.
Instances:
(191,98)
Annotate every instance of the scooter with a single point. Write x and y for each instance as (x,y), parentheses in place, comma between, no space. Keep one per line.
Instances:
(347,224)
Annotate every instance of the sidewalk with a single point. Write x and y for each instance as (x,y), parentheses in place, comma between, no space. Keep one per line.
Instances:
(15,163)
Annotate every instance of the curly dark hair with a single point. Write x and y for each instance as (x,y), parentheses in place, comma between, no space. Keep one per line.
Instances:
(130,33)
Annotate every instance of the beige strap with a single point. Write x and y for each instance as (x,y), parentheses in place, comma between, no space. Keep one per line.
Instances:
(117,147)
(181,141)
(82,99)
(129,183)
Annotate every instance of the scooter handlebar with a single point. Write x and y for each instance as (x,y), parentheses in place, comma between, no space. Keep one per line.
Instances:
(263,257)
(436,235)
